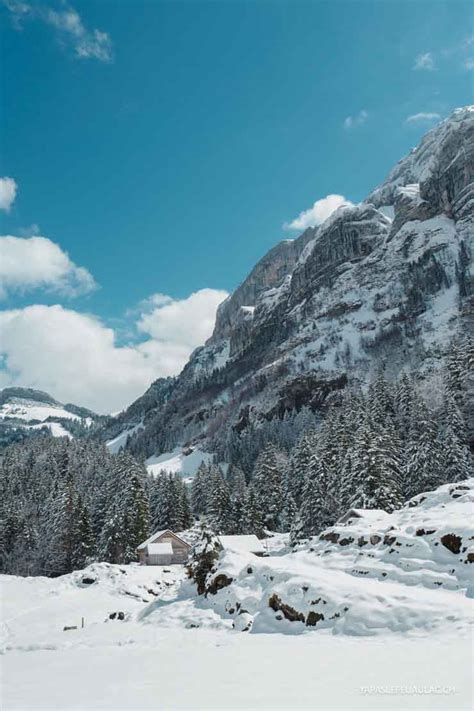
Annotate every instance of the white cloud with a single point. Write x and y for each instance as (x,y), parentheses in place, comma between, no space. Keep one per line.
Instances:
(424,62)
(37,262)
(86,43)
(317,214)
(357,120)
(76,358)
(469,64)
(8,191)
(187,322)
(422,118)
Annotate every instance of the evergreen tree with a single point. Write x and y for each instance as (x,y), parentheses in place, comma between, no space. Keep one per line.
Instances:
(376,474)
(318,506)
(84,542)
(299,465)
(266,484)
(238,494)
(297,533)
(253,519)
(425,468)
(202,557)
(457,458)
(219,505)
(199,489)
(289,513)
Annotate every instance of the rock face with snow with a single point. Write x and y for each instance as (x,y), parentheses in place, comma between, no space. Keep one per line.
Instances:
(388,279)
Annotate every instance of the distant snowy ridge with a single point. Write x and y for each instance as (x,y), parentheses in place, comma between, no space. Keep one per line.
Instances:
(34,409)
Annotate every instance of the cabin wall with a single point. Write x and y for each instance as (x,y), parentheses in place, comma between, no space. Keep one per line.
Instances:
(160,560)
(180,552)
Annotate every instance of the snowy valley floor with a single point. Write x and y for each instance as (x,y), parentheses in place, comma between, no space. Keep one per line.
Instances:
(153,660)
(371,614)
(176,669)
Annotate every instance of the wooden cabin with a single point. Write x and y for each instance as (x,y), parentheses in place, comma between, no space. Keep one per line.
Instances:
(163,548)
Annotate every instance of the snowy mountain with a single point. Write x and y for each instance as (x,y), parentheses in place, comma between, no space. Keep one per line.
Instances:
(29,410)
(386,281)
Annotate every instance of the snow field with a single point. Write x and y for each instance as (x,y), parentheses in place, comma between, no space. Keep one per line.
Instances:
(349,621)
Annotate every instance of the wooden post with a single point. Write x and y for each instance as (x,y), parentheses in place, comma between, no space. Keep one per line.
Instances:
(82,622)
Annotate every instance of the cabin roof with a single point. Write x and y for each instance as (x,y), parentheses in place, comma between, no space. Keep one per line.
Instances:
(243,544)
(156,536)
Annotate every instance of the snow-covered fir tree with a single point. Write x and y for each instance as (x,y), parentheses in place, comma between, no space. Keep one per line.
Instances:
(202,557)
(266,484)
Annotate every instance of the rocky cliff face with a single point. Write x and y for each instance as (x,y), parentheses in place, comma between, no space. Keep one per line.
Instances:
(386,280)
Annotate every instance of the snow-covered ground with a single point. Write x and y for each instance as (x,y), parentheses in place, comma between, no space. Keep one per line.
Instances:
(117,443)
(172,652)
(374,614)
(56,429)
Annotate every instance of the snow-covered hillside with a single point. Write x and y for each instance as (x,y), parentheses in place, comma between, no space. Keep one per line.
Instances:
(184,462)
(372,615)
(30,409)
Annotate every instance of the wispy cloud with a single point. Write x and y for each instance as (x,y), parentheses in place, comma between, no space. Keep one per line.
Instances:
(357,120)
(424,62)
(318,213)
(32,230)
(8,191)
(423,117)
(69,27)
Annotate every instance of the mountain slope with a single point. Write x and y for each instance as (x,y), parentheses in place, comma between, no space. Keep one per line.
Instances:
(387,281)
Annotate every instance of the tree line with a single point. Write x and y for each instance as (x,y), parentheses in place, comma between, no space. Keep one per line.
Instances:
(65,503)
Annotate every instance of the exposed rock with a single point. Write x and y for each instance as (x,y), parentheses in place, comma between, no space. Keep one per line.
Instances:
(422,532)
(345,541)
(117,615)
(312,618)
(217,583)
(452,542)
(288,612)
(332,536)
(88,581)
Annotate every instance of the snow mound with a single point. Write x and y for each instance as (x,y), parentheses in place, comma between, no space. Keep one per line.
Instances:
(410,570)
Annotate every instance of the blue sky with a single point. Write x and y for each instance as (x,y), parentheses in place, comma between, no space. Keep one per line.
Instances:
(163,145)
